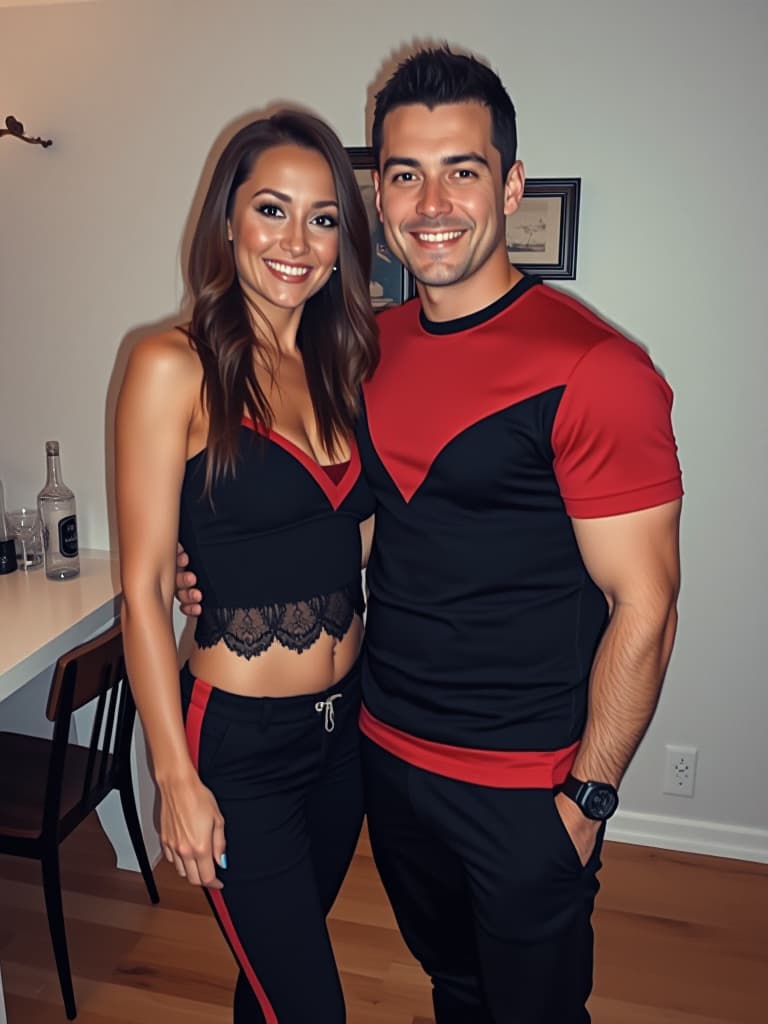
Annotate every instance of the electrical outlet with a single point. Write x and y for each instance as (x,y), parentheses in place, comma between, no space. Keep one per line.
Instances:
(680,770)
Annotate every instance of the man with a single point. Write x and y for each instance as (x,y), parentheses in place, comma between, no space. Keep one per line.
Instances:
(524,569)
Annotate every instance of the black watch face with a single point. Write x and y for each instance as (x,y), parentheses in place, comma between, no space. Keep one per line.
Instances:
(600,802)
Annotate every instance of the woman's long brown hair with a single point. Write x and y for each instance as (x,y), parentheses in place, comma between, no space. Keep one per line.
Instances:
(338,337)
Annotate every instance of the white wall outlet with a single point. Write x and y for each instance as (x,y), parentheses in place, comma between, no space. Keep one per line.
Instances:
(680,770)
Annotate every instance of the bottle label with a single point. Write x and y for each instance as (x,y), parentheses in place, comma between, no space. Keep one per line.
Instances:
(68,536)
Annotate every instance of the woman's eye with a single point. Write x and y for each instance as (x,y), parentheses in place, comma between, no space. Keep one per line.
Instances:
(270,210)
(325,220)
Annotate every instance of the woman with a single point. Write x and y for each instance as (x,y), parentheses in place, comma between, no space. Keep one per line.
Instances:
(235,434)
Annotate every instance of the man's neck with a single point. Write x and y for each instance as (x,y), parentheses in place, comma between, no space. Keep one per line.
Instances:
(451,302)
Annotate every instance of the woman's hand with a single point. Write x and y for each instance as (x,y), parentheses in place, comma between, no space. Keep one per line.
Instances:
(192,830)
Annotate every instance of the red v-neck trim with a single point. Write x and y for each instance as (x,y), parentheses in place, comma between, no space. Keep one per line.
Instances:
(334,492)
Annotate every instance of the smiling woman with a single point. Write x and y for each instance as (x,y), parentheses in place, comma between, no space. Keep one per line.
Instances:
(284,238)
(240,425)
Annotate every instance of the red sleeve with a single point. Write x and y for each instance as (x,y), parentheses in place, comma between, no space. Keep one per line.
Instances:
(612,436)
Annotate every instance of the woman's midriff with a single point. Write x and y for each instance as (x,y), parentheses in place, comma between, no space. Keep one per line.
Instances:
(279,671)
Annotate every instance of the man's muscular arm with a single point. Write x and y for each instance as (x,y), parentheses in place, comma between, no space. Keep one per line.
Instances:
(634,560)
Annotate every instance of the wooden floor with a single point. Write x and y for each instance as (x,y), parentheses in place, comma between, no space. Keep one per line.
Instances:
(680,940)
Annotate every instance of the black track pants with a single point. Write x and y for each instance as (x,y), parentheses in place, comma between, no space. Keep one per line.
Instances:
(286,775)
(488,891)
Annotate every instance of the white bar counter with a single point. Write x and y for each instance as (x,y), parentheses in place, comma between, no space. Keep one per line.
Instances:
(41,619)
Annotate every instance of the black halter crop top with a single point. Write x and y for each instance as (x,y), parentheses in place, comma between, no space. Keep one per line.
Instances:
(276,548)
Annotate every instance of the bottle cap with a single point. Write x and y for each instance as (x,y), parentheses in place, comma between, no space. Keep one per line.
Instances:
(51,447)
(7,556)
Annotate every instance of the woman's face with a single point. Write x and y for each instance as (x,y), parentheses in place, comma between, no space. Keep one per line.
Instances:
(284,229)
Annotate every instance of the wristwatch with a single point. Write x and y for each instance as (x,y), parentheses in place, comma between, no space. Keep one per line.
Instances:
(595,800)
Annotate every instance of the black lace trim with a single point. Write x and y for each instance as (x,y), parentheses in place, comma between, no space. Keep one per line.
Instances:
(295,625)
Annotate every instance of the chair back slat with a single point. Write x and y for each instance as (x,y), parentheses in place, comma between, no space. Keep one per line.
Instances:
(101,739)
(109,741)
(93,672)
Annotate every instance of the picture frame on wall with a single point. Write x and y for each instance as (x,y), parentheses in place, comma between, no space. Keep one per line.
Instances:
(542,234)
(391,283)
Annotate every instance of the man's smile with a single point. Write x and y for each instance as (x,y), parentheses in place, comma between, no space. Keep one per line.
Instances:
(436,237)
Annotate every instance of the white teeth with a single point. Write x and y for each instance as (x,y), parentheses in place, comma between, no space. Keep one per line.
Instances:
(286,268)
(438,236)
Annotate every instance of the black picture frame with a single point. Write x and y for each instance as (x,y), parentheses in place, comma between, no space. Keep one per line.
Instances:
(549,208)
(391,283)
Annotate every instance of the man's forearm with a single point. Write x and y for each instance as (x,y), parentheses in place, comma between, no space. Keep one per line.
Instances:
(624,688)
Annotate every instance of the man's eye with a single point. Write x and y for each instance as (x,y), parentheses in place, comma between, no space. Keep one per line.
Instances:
(465,172)
(270,210)
(405,176)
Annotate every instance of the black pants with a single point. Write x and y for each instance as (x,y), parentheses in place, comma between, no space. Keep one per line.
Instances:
(286,775)
(488,891)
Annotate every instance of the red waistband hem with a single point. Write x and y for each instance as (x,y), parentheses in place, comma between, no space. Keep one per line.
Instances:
(501,769)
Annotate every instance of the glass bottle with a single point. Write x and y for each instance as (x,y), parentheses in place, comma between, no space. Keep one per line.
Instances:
(58,519)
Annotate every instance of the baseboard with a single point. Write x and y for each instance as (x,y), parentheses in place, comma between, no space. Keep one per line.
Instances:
(689,836)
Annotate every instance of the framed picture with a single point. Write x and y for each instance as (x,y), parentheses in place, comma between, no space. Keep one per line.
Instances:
(543,231)
(391,283)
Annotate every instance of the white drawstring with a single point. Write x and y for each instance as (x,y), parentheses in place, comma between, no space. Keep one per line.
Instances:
(327,706)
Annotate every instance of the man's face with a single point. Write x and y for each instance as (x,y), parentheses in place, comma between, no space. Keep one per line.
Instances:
(440,192)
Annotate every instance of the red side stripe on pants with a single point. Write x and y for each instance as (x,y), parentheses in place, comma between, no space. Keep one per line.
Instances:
(201,693)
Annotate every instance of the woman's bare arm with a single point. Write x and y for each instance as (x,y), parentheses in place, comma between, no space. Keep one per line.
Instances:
(154,415)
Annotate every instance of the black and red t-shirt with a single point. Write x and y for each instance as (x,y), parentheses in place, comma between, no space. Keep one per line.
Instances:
(480,439)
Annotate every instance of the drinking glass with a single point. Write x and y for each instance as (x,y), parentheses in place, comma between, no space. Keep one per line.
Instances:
(24,524)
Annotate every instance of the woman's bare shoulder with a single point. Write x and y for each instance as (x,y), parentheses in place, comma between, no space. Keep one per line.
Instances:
(167,354)
(172,345)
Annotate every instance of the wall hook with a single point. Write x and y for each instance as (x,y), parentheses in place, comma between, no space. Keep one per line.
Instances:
(16,128)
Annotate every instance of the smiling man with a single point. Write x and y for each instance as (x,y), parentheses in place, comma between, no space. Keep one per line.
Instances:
(524,571)
(444,200)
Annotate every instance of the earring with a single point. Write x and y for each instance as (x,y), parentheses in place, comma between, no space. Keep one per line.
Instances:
(335,268)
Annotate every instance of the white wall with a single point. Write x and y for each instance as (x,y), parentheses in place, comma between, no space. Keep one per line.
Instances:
(660,107)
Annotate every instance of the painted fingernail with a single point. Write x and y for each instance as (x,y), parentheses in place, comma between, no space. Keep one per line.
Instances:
(223,860)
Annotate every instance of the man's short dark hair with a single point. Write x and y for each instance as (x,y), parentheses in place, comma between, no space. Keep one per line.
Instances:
(434,77)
